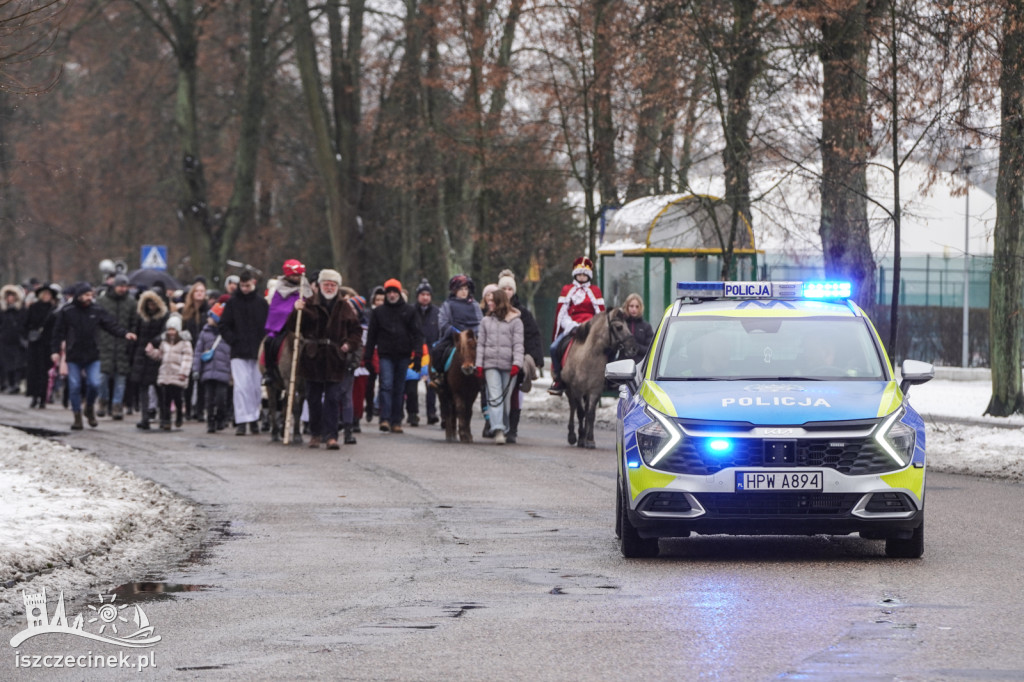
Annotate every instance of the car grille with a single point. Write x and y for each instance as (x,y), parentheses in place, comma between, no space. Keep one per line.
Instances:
(857,456)
(777,504)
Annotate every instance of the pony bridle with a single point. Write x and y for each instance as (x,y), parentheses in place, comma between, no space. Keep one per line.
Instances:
(618,342)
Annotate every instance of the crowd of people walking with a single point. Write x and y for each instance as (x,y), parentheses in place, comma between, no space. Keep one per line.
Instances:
(211,356)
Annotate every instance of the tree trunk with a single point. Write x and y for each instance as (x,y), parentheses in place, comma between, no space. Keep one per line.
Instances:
(604,125)
(643,180)
(1007,280)
(743,67)
(846,128)
(193,209)
(325,154)
(241,212)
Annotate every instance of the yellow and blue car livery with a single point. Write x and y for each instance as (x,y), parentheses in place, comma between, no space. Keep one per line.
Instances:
(768,408)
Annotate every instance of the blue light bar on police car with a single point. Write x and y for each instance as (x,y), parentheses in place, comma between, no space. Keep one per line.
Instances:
(827,290)
(763,289)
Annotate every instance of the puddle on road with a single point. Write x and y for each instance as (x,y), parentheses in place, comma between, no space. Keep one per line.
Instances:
(37,431)
(134,592)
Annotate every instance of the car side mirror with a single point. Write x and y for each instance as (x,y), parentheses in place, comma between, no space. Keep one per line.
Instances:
(620,371)
(915,372)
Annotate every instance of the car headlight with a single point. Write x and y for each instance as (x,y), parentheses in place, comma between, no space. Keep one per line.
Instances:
(658,438)
(896,438)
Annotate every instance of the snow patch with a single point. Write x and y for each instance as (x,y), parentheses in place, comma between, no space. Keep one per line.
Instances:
(69,520)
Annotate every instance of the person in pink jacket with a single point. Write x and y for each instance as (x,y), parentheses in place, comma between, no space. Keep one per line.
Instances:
(175,356)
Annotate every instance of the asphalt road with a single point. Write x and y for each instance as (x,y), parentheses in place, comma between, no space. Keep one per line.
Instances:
(408,558)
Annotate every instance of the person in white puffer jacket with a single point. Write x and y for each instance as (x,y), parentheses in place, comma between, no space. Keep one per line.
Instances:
(175,355)
(499,358)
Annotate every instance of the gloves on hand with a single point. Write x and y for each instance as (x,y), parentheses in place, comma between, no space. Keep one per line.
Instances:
(514,371)
(479,372)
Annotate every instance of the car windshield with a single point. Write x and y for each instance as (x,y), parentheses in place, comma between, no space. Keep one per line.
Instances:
(706,348)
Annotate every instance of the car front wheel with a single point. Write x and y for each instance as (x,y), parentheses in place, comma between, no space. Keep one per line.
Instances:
(906,548)
(631,544)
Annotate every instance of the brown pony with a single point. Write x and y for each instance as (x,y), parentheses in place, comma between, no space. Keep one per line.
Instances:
(583,373)
(457,394)
(276,383)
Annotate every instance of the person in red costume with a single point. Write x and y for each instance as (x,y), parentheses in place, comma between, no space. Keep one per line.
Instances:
(578,302)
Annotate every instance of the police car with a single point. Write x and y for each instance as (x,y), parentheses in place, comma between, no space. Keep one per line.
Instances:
(768,408)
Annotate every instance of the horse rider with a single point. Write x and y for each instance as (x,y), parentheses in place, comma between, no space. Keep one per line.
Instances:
(242,325)
(331,338)
(458,313)
(578,303)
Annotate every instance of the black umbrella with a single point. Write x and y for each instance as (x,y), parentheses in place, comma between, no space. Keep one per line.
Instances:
(146,278)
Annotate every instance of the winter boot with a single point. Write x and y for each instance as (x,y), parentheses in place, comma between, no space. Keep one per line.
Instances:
(556,387)
(101,408)
(349,438)
(77,425)
(356,428)
(487,433)
(117,412)
(254,428)
(513,426)
(499,437)
(240,429)
(90,415)
(165,425)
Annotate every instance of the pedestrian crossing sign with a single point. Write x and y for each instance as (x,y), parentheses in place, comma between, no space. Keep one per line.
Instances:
(154,257)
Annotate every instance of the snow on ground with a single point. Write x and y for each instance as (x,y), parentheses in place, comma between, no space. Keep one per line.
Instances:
(68,520)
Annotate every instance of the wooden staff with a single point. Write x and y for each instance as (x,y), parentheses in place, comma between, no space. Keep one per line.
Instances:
(291,380)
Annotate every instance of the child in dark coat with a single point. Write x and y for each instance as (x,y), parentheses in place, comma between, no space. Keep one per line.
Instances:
(211,367)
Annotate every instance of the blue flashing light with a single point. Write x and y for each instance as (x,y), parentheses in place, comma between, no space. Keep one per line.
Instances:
(720,445)
(827,290)
(633,464)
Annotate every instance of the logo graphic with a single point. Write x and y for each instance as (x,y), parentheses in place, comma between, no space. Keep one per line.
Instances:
(773,388)
(113,623)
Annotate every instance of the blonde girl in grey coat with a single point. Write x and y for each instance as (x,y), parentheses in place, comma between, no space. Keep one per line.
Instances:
(499,358)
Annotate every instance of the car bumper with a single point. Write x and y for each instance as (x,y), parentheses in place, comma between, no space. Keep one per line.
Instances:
(885,506)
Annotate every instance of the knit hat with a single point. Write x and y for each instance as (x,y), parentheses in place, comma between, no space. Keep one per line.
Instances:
(489,289)
(583,266)
(359,303)
(174,322)
(459,281)
(216,311)
(424,285)
(120,281)
(393,284)
(231,279)
(507,280)
(81,288)
(328,275)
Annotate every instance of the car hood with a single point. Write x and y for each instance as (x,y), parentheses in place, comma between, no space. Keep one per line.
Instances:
(772,402)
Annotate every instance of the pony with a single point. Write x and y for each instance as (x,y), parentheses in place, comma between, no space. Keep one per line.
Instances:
(593,343)
(276,380)
(457,394)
